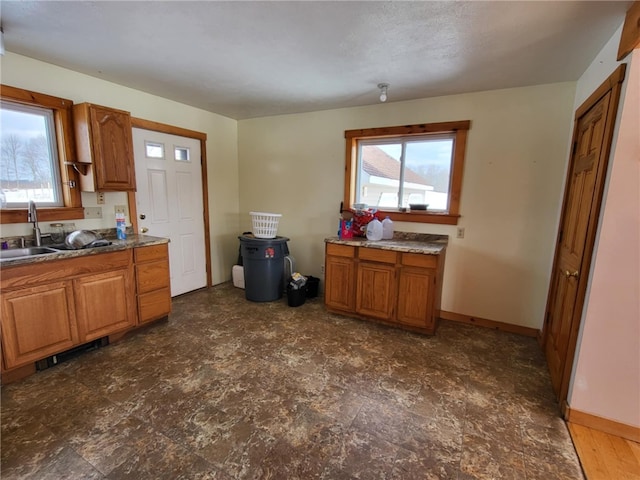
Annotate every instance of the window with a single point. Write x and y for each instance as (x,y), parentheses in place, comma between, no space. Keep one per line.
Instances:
(392,168)
(154,149)
(29,159)
(181,154)
(37,156)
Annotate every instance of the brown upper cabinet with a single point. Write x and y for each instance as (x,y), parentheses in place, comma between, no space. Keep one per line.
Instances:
(104,144)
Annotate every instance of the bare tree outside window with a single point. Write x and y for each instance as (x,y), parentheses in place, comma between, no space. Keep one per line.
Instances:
(28,166)
(11,152)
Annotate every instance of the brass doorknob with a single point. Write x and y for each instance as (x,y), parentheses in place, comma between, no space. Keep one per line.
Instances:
(568,274)
(144,229)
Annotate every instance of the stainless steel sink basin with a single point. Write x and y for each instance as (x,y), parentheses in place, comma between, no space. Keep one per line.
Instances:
(25,252)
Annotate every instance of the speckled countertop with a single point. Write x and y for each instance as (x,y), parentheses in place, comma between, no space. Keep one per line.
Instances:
(131,241)
(425,243)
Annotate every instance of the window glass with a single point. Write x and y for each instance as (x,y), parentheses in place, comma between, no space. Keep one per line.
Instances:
(181,154)
(28,162)
(428,173)
(153,149)
(412,171)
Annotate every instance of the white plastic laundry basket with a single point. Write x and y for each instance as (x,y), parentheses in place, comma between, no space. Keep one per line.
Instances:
(265,225)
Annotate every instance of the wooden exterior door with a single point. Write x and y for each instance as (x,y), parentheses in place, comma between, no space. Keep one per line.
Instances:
(593,132)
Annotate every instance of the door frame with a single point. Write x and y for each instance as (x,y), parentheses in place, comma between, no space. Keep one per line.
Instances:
(612,84)
(182,132)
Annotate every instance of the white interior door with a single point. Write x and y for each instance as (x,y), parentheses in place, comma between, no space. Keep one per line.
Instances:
(169,202)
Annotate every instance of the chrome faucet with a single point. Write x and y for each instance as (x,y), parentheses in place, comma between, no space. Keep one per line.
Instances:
(33,218)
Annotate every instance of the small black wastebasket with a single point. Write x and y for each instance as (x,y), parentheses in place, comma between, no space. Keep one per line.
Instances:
(296,296)
(263,261)
(312,286)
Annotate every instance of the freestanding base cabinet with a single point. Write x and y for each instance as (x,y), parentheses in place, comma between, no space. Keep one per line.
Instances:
(396,287)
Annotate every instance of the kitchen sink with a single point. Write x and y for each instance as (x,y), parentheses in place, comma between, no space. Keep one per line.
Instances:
(25,252)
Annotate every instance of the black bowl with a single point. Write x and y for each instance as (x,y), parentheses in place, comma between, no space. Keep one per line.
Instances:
(418,206)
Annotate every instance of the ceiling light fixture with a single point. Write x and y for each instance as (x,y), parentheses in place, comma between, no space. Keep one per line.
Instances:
(383,91)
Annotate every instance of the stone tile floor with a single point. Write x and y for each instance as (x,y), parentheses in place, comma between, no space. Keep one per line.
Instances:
(227,388)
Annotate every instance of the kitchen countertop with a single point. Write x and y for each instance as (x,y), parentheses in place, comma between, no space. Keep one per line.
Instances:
(132,241)
(424,243)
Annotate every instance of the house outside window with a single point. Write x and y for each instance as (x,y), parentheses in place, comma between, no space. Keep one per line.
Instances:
(405,172)
(392,168)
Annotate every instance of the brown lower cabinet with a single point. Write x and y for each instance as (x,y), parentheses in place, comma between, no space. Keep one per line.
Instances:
(35,322)
(153,282)
(392,287)
(52,306)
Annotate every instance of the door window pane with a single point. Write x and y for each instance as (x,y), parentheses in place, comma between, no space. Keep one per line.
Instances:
(153,149)
(181,154)
(29,161)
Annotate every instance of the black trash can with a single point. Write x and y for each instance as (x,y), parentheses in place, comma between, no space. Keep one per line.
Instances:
(296,296)
(263,262)
(312,286)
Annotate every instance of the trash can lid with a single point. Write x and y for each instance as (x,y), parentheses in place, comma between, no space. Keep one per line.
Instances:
(251,238)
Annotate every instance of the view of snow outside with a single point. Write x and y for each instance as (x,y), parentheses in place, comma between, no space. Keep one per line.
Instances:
(26,163)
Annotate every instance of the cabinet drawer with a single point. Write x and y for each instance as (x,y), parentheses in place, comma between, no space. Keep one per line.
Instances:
(419,260)
(154,252)
(154,305)
(341,250)
(377,255)
(152,276)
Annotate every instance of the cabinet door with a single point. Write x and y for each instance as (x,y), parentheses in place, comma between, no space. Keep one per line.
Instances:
(375,294)
(416,289)
(37,322)
(105,304)
(113,149)
(339,283)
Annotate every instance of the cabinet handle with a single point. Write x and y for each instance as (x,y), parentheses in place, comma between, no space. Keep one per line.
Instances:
(144,229)
(568,274)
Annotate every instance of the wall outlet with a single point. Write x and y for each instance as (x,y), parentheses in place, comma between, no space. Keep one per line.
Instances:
(322,269)
(100,198)
(122,209)
(460,232)
(92,212)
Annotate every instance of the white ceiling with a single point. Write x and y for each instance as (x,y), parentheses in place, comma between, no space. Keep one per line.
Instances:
(246,59)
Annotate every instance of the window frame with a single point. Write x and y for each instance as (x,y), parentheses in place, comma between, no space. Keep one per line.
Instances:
(63,122)
(459,128)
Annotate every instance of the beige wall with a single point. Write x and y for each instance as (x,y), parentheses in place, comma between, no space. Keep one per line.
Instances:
(512,189)
(606,375)
(221,133)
